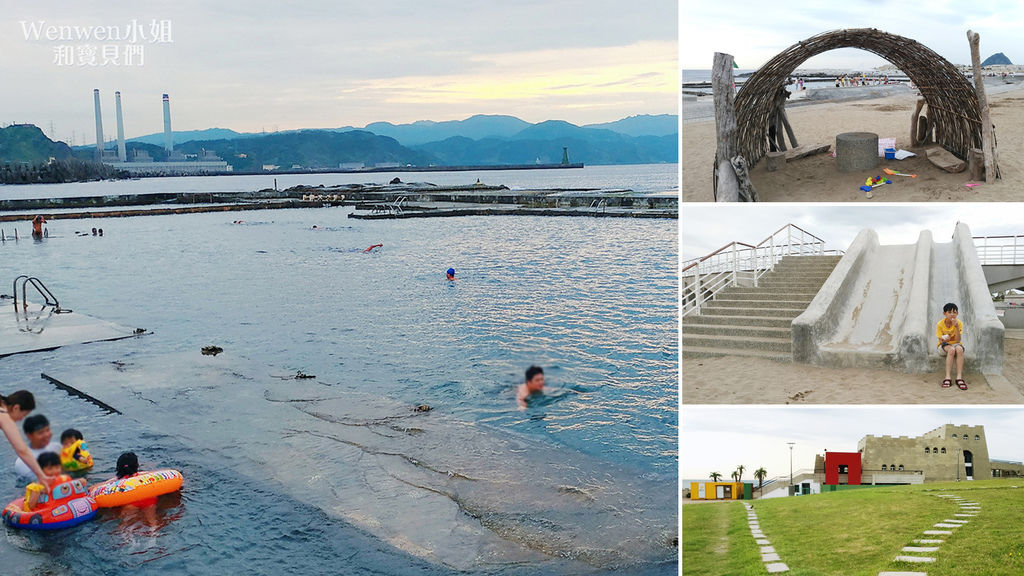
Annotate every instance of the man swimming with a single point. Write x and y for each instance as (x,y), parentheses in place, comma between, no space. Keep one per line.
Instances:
(534,385)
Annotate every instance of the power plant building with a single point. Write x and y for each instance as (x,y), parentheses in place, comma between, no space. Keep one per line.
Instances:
(141,162)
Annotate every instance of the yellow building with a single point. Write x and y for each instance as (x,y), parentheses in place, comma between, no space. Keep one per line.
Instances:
(716,490)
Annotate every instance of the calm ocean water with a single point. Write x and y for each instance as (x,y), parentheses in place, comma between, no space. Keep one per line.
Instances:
(641,178)
(329,475)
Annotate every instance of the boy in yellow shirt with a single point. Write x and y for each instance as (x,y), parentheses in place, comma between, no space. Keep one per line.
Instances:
(949,331)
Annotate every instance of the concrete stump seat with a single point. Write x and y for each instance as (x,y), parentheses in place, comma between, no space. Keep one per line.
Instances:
(856,151)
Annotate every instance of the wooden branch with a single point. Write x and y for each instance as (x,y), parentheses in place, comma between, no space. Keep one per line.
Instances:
(747,192)
(988,145)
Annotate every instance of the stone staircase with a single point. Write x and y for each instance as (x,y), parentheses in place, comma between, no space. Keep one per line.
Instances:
(757,321)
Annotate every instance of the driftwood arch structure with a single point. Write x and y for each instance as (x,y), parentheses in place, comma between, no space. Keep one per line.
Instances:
(954,110)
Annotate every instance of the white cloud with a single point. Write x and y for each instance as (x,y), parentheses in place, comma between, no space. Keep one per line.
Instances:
(754,31)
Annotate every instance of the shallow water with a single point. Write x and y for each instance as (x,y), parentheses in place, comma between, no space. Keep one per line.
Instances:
(591,300)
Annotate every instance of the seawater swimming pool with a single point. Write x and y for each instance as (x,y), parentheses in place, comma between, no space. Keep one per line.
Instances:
(591,300)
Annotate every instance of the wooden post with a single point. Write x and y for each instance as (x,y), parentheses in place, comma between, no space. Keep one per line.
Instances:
(730,186)
(914,140)
(988,140)
(976,164)
(923,130)
(789,129)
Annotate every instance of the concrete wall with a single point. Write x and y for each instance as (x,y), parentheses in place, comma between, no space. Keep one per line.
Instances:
(1013,317)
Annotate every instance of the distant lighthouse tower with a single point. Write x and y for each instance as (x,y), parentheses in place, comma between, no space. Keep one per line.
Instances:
(565,155)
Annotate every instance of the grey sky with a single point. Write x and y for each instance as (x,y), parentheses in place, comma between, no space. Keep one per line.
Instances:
(707,227)
(274,65)
(754,31)
(714,438)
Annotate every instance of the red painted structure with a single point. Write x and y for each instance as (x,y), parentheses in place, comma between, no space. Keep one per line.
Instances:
(833,460)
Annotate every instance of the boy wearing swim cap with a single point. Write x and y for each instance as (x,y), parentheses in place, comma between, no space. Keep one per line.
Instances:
(450,274)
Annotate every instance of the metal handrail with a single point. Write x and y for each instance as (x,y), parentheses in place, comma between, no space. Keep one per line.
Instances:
(48,297)
(397,205)
(703,278)
(1004,250)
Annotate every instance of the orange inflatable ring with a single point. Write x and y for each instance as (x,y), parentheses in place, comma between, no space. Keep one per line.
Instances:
(121,491)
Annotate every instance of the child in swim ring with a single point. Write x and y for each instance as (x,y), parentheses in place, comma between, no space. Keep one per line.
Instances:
(128,466)
(74,454)
(36,493)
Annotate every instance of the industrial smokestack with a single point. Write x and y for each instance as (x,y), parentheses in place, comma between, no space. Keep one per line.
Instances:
(99,125)
(168,138)
(122,154)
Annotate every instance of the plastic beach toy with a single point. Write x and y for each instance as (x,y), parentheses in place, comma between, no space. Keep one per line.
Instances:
(875,182)
(897,173)
(66,504)
(121,491)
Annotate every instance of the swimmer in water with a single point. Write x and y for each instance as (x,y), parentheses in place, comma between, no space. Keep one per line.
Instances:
(450,274)
(37,227)
(534,385)
(370,249)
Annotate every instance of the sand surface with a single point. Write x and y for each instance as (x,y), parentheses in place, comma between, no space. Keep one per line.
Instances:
(815,179)
(742,380)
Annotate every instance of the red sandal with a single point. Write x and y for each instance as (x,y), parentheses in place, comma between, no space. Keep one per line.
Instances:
(961,384)
(947,383)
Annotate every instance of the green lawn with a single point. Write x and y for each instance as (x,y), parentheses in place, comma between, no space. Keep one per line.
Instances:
(722,545)
(860,532)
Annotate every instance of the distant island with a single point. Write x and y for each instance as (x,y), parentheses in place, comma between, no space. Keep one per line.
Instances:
(997,59)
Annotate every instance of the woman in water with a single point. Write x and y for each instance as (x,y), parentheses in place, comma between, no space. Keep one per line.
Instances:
(13,408)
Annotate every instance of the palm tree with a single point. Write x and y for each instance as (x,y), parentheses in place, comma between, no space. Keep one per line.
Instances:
(739,472)
(716,476)
(760,474)
(735,476)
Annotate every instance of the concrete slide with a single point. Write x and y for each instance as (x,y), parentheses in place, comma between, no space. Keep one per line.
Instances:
(881,304)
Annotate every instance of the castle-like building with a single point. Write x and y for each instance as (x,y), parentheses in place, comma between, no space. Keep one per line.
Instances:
(949,452)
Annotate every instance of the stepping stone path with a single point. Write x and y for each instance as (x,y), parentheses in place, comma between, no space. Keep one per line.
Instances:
(967,510)
(772,562)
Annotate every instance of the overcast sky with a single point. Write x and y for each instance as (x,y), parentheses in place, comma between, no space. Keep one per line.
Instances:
(754,31)
(316,64)
(718,439)
(705,228)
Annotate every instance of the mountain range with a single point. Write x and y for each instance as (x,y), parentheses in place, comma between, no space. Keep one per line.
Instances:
(423,131)
(475,141)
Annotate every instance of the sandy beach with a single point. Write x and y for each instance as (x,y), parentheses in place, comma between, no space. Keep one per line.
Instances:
(815,179)
(742,380)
